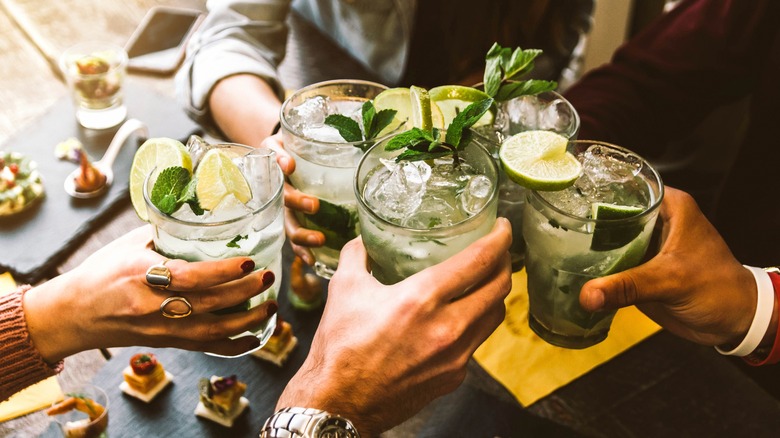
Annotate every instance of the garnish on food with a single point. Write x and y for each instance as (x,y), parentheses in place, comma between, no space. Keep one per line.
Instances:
(143,363)
(89,178)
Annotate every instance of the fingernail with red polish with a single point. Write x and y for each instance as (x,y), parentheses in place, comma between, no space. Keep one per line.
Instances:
(247,266)
(272,308)
(268,278)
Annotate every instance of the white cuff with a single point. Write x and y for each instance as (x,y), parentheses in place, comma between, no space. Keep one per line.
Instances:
(764,306)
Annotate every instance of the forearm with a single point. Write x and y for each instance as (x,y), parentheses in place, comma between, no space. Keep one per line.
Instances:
(245,108)
(21,364)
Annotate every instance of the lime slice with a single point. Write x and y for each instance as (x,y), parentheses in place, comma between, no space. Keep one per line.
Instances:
(609,236)
(400,99)
(538,160)
(217,177)
(421,108)
(155,152)
(452,99)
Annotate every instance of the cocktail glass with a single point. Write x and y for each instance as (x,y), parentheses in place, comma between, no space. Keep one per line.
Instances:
(324,162)
(83,420)
(95,73)
(231,229)
(599,226)
(416,214)
(547,111)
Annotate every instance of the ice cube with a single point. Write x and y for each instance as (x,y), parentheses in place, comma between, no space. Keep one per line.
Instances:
(262,174)
(476,194)
(556,116)
(395,194)
(434,212)
(322,133)
(311,112)
(228,208)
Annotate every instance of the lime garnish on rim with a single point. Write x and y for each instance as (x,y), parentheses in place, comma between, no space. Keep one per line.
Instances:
(400,99)
(613,235)
(155,152)
(538,160)
(217,177)
(452,99)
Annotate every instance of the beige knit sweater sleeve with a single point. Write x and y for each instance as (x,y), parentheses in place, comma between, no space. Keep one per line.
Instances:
(20,363)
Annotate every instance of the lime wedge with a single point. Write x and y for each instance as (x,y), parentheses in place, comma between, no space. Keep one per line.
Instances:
(217,177)
(609,236)
(452,99)
(400,100)
(538,160)
(155,152)
(421,108)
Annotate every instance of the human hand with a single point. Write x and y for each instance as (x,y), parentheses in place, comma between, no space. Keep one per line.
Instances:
(694,287)
(106,302)
(381,353)
(301,239)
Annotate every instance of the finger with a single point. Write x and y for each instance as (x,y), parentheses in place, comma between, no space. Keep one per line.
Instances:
(645,283)
(353,265)
(187,276)
(283,158)
(234,293)
(299,235)
(296,200)
(469,267)
(304,253)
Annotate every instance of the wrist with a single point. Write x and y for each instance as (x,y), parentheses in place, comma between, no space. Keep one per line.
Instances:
(769,350)
(761,318)
(46,308)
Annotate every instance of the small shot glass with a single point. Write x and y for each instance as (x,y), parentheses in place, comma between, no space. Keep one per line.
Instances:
(83,412)
(95,74)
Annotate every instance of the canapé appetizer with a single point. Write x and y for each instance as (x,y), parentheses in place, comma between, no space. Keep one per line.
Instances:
(144,377)
(221,399)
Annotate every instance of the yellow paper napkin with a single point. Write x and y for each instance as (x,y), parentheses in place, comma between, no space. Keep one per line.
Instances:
(530,368)
(38,396)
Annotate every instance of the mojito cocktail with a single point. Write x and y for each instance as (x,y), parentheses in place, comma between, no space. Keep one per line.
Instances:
(601,225)
(547,111)
(415,214)
(324,162)
(229,219)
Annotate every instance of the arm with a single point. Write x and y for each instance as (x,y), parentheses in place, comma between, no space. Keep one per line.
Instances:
(106,302)
(381,353)
(694,287)
(664,81)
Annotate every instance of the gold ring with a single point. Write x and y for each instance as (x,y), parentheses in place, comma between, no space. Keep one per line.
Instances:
(159,276)
(175,315)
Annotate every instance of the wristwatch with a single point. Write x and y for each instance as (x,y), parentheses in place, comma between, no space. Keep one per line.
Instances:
(307,423)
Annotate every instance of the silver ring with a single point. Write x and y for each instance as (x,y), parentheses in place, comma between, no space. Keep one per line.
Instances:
(159,276)
(175,315)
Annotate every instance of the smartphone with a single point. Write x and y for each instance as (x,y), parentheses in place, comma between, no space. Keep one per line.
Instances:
(157,45)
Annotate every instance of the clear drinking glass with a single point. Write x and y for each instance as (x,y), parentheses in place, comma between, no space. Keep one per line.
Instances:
(82,420)
(547,111)
(416,214)
(599,226)
(95,73)
(254,230)
(324,162)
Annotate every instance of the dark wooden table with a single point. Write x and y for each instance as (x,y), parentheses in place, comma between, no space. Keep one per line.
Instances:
(661,387)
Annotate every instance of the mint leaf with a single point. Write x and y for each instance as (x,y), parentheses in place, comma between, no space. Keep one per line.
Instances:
(511,90)
(368,111)
(337,223)
(521,62)
(412,155)
(465,120)
(234,243)
(382,120)
(348,128)
(493,69)
(407,138)
(167,190)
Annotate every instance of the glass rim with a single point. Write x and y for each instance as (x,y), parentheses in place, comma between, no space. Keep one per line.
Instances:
(262,207)
(122,57)
(336,144)
(472,218)
(80,389)
(649,210)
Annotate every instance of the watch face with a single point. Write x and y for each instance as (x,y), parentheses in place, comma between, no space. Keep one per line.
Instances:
(337,428)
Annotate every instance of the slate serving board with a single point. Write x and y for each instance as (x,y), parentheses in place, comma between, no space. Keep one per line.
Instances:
(35,241)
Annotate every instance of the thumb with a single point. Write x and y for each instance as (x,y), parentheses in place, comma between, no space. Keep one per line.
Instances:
(637,285)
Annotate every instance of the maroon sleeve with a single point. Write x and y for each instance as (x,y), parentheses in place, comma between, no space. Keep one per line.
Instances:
(665,80)
(20,363)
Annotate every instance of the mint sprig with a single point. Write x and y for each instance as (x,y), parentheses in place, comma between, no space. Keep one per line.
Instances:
(421,144)
(503,67)
(173,188)
(373,123)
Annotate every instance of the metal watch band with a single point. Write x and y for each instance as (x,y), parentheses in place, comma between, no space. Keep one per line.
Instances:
(304,423)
